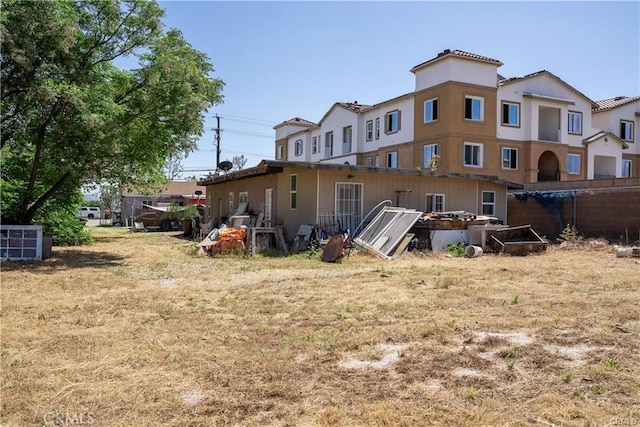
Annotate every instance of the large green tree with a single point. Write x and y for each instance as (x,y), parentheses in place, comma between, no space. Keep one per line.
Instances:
(70,115)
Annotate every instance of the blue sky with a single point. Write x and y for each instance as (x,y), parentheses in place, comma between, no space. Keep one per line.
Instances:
(285,59)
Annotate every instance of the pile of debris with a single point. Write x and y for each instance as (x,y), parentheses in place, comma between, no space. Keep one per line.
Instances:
(224,240)
(394,229)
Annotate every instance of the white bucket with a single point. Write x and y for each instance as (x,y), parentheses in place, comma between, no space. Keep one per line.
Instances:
(472,251)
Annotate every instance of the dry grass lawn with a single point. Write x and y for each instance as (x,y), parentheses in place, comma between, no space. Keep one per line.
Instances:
(136,331)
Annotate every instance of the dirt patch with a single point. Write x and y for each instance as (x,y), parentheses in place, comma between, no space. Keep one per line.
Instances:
(390,355)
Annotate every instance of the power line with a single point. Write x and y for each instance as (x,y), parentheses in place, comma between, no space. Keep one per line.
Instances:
(251,122)
(268,122)
(237,152)
(248,132)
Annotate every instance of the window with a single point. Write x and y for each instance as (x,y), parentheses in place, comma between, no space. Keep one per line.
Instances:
(293,191)
(510,114)
(314,145)
(434,202)
(243,197)
(575,123)
(346,139)
(349,203)
(392,159)
(488,203)
(392,121)
(377,162)
(573,164)
(328,144)
(430,156)
(279,152)
(474,108)
(509,158)
(146,204)
(369,131)
(298,149)
(378,128)
(473,154)
(626,168)
(626,130)
(431,110)
(230,202)
(368,161)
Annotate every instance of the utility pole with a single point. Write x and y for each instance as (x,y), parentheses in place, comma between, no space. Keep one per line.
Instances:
(217,129)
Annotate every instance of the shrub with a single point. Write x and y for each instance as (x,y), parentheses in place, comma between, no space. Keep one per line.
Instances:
(569,234)
(66,228)
(456,249)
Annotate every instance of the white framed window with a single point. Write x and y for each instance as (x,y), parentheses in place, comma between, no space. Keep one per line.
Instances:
(392,159)
(488,203)
(231,203)
(377,127)
(473,153)
(626,130)
(368,161)
(377,161)
(298,147)
(314,145)
(293,191)
(474,108)
(431,110)
(574,125)
(369,130)
(347,133)
(573,164)
(509,158)
(348,201)
(430,156)
(626,168)
(392,121)
(243,197)
(510,114)
(279,152)
(328,144)
(434,202)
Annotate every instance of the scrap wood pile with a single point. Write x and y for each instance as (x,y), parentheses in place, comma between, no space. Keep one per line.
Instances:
(452,220)
(224,240)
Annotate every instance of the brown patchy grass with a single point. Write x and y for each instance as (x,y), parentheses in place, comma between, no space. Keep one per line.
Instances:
(136,331)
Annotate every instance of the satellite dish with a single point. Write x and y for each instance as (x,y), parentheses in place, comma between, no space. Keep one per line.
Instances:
(225,165)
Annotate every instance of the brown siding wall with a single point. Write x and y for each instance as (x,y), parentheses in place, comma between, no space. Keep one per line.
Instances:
(254,186)
(305,211)
(598,212)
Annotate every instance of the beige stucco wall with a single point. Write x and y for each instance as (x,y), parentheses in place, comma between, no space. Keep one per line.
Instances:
(460,194)
(218,196)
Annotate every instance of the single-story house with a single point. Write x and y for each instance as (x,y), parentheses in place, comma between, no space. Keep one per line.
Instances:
(180,192)
(291,194)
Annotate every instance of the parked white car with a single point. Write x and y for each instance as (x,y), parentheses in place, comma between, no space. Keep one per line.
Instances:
(90,212)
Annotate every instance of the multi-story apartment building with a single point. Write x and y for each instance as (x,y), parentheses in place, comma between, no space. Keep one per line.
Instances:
(463,117)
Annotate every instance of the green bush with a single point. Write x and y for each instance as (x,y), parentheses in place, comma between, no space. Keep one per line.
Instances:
(456,249)
(569,234)
(66,228)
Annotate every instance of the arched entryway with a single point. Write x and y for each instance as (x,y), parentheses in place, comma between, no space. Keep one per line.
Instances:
(548,167)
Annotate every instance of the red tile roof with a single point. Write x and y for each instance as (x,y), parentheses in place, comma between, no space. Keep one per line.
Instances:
(460,54)
(549,73)
(353,106)
(296,121)
(610,103)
